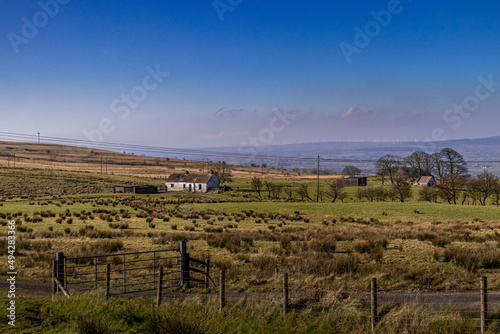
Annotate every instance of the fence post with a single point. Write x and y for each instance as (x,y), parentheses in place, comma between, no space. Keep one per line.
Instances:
(160,284)
(54,286)
(124,276)
(484,304)
(65,283)
(285,293)
(108,274)
(60,269)
(207,273)
(374,304)
(95,273)
(154,270)
(222,289)
(184,264)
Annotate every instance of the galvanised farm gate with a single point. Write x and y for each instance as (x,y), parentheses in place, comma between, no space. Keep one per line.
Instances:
(130,272)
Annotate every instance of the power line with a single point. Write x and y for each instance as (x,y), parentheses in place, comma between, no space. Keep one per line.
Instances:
(164,150)
(10,136)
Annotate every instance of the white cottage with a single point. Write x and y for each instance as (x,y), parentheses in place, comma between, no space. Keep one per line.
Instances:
(425,181)
(192,182)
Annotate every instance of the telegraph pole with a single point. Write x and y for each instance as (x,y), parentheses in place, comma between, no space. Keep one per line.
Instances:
(8,160)
(317,188)
(38,137)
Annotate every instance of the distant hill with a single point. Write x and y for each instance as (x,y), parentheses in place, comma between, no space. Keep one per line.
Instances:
(80,159)
(480,153)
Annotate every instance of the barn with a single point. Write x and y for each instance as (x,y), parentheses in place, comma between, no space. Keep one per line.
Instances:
(191,182)
(354,181)
(425,181)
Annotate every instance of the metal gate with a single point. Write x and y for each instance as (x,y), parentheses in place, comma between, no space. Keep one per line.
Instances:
(130,272)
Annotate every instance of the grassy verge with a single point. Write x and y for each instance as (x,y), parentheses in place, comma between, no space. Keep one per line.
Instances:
(90,314)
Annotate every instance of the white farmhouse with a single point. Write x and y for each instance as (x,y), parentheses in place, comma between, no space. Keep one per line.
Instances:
(191,182)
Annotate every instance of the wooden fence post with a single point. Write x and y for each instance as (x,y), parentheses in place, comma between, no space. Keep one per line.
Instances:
(154,270)
(285,293)
(207,273)
(184,264)
(160,285)
(124,276)
(484,304)
(108,274)
(54,265)
(60,269)
(222,289)
(374,304)
(95,273)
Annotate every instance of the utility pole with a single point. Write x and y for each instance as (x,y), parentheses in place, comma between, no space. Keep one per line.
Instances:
(14,155)
(101,165)
(317,188)
(8,160)
(38,137)
(106,164)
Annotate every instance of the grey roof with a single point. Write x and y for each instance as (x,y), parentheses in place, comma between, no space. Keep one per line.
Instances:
(189,178)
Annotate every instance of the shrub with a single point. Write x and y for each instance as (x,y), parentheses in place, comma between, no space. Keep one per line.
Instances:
(162,323)
(92,325)
(121,226)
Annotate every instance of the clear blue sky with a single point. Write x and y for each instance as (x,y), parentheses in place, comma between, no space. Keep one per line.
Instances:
(228,78)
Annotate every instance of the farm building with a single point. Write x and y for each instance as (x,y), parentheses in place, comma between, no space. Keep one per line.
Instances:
(191,182)
(354,181)
(133,189)
(425,181)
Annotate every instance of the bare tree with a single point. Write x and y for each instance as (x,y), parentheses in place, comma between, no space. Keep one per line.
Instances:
(289,192)
(454,162)
(496,192)
(336,190)
(420,163)
(351,170)
(484,186)
(388,165)
(401,187)
(450,186)
(223,172)
(303,192)
(439,163)
(427,194)
(257,185)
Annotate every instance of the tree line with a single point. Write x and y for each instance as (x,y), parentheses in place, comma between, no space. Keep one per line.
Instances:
(454,183)
(449,167)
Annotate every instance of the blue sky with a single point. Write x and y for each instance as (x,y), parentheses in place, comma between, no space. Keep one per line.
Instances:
(227,79)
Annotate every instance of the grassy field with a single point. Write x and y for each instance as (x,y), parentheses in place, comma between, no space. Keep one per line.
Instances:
(407,245)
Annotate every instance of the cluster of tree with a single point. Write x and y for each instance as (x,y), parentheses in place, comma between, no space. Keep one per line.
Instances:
(444,163)
(468,190)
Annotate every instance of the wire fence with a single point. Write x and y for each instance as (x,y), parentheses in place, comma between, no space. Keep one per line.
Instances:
(157,272)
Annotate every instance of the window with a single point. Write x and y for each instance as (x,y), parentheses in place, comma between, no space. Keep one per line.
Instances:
(172,185)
